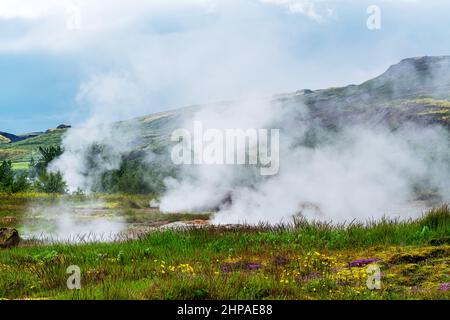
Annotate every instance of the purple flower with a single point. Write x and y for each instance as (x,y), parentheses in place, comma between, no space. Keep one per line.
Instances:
(444,286)
(225,268)
(362,262)
(253,266)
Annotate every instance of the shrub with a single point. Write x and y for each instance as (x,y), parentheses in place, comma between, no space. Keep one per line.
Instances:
(133,177)
(51,182)
(6,176)
(21,183)
(46,155)
(11,183)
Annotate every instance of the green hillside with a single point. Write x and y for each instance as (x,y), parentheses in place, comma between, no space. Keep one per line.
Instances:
(414,90)
(22,151)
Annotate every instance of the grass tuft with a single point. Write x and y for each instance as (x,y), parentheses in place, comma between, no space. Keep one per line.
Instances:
(437,219)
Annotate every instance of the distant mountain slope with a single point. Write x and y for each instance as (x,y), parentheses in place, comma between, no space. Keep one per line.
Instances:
(8,137)
(416,89)
(22,150)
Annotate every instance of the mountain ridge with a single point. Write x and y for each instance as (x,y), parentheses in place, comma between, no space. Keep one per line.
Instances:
(416,89)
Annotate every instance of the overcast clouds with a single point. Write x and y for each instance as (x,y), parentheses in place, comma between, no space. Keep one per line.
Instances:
(63,60)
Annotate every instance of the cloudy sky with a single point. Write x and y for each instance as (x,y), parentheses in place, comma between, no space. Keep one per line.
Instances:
(61,61)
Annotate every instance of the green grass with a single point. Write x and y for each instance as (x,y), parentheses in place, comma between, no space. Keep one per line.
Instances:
(305,260)
(21,166)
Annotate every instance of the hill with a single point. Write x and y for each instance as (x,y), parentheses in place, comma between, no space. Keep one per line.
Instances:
(8,137)
(21,151)
(414,90)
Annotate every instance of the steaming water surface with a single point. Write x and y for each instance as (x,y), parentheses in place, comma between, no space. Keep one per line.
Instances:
(93,223)
(66,223)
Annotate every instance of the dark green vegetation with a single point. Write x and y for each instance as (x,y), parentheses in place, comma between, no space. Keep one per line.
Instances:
(44,180)
(10,182)
(133,177)
(306,260)
(36,177)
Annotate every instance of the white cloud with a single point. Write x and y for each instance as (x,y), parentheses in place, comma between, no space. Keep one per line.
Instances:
(171,53)
(28,9)
(305,7)
(35,9)
(110,97)
(50,29)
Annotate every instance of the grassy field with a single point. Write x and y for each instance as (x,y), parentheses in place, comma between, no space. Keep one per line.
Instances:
(21,166)
(301,261)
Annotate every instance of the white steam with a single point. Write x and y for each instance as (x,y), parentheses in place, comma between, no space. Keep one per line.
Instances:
(81,165)
(103,98)
(359,173)
(86,221)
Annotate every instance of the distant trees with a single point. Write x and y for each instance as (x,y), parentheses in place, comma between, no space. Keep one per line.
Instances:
(133,177)
(6,175)
(11,183)
(132,173)
(50,182)
(45,181)
(45,157)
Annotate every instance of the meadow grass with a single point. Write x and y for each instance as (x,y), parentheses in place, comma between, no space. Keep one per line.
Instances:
(21,166)
(303,260)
